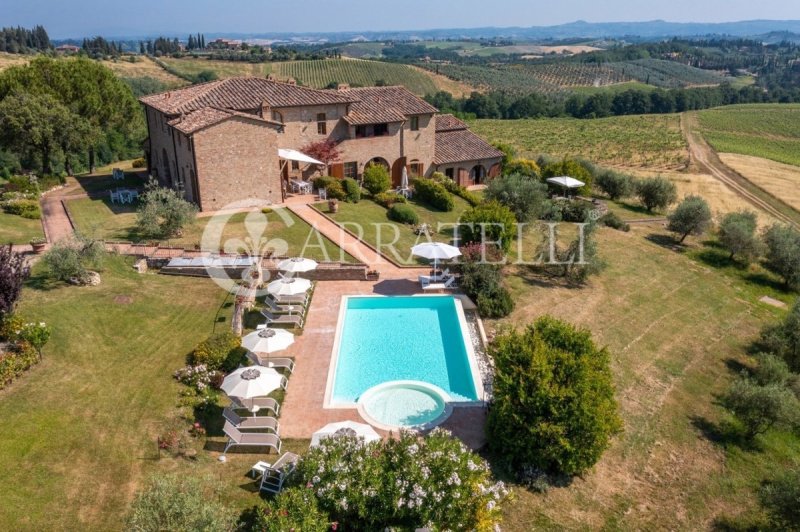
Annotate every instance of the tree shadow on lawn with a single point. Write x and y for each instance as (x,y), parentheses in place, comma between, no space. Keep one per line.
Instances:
(636,209)
(666,241)
(724,433)
(42,282)
(98,185)
(536,276)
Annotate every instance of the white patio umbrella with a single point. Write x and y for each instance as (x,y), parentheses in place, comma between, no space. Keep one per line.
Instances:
(246,383)
(436,251)
(297,265)
(268,340)
(566,182)
(404,179)
(345,428)
(288,286)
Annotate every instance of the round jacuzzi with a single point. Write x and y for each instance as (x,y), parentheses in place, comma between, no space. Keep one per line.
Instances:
(404,404)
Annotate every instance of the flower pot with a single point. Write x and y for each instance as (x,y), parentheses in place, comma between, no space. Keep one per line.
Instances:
(333,206)
(38,247)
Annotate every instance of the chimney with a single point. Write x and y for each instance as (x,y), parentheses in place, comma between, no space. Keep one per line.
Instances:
(291,81)
(343,87)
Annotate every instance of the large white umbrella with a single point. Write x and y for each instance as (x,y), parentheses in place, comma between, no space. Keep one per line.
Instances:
(566,182)
(268,340)
(288,286)
(436,251)
(246,383)
(404,179)
(345,428)
(297,265)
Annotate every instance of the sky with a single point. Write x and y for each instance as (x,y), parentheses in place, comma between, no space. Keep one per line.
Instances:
(78,18)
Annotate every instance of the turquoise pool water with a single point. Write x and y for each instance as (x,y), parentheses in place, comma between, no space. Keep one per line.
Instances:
(402,338)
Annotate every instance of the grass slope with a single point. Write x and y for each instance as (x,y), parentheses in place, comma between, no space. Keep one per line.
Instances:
(771,131)
(650,141)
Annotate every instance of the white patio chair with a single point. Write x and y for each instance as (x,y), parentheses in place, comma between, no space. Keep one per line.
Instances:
(275,475)
(322,193)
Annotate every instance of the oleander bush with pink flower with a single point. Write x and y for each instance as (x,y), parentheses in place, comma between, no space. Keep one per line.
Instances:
(408,483)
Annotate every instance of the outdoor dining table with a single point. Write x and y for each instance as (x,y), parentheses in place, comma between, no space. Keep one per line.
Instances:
(301,186)
(124,195)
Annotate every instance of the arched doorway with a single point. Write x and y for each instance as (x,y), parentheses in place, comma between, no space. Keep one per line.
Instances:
(379,161)
(478,174)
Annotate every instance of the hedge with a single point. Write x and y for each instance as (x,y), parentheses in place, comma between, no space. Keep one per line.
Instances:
(352,190)
(403,214)
(15,362)
(332,185)
(434,194)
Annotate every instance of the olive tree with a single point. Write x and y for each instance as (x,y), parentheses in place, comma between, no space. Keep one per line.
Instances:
(783,252)
(780,497)
(759,408)
(656,193)
(692,216)
(737,234)
(526,197)
(163,212)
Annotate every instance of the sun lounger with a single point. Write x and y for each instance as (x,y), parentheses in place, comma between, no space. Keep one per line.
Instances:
(272,362)
(263,403)
(279,308)
(449,284)
(249,439)
(282,319)
(275,475)
(250,422)
(299,299)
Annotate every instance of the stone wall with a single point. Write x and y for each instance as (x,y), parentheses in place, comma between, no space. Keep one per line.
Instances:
(237,160)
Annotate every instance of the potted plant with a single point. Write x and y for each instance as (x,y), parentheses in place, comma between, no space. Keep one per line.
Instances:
(333,205)
(372,275)
(38,244)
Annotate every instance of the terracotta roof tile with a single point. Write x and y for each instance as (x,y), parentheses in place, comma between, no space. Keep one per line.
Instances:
(449,123)
(241,94)
(208,116)
(459,145)
(375,105)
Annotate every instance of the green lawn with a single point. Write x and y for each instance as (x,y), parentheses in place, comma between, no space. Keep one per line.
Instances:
(285,233)
(18,230)
(80,429)
(368,220)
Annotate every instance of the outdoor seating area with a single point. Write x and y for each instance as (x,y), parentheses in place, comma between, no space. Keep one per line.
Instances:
(437,281)
(117,174)
(123,195)
(300,187)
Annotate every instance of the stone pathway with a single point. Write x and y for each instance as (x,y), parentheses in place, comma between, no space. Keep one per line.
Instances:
(352,245)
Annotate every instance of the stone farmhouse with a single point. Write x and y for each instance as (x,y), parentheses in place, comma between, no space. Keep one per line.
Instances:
(219,141)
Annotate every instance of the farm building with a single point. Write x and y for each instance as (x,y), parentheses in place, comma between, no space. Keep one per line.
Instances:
(219,141)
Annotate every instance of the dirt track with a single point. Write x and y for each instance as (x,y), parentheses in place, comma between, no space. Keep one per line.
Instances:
(705,159)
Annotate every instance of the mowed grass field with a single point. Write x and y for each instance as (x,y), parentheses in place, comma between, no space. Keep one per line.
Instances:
(770,131)
(648,141)
(673,324)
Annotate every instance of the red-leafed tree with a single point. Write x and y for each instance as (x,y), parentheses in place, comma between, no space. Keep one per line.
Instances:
(326,151)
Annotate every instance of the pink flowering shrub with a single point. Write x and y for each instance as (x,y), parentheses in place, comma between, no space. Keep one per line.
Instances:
(412,482)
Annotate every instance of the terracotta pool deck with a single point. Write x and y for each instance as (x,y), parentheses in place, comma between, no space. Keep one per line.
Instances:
(302,412)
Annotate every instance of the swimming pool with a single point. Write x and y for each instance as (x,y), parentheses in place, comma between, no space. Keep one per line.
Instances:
(412,339)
